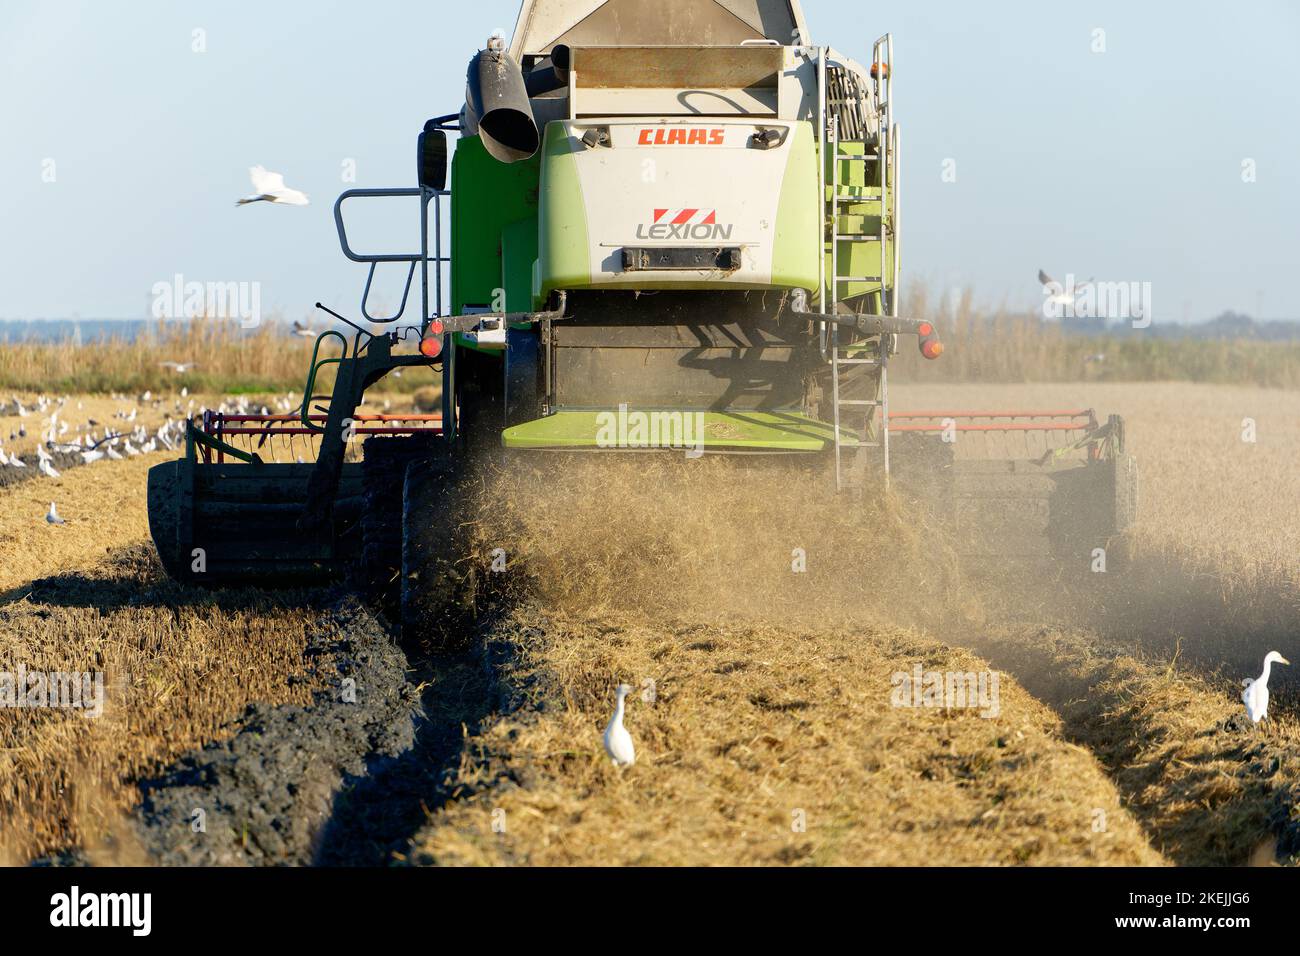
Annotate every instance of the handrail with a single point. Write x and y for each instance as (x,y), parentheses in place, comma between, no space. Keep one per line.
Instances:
(314,368)
(414,259)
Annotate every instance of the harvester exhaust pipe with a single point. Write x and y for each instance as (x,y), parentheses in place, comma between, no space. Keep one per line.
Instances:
(496,102)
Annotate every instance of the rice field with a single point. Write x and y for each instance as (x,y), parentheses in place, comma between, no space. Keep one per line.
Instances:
(765,645)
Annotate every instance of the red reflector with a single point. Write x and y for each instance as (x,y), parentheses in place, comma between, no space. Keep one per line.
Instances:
(932,349)
(431,344)
(925,328)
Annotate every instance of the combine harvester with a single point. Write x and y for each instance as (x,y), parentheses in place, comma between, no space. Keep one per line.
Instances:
(685,210)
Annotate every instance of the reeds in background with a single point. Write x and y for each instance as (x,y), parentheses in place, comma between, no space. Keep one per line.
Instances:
(1000,345)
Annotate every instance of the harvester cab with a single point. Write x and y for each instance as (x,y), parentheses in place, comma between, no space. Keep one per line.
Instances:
(668,226)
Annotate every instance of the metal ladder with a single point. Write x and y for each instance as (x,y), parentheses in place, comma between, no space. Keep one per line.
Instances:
(857,354)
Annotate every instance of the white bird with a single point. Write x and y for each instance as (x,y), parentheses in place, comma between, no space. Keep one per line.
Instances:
(89,456)
(618,742)
(52,516)
(301,328)
(180,368)
(17,462)
(1255,696)
(270,187)
(49,470)
(1057,294)
(113,454)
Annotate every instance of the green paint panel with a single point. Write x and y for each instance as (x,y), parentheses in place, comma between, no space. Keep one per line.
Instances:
(565,261)
(487,199)
(736,431)
(798,217)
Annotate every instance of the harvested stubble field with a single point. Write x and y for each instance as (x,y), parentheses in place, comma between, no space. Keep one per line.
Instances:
(764,706)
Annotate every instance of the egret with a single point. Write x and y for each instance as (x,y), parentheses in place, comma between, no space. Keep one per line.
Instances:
(1057,294)
(1255,696)
(270,187)
(618,742)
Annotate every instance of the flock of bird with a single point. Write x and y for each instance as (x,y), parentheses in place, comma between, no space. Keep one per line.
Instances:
(91,441)
(123,436)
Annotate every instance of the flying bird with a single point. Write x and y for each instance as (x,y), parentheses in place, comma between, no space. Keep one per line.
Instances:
(1057,293)
(301,328)
(618,742)
(180,368)
(1255,696)
(52,516)
(270,187)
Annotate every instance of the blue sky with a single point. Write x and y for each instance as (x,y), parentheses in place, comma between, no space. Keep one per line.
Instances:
(1125,165)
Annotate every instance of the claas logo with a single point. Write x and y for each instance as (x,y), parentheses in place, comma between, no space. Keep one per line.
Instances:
(682,136)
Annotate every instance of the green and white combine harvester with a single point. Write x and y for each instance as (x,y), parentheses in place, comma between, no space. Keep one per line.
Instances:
(684,210)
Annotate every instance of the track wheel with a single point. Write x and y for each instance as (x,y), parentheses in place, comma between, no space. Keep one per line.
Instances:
(440,575)
(384,471)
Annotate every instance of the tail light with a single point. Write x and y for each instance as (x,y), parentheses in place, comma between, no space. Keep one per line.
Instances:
(431,344)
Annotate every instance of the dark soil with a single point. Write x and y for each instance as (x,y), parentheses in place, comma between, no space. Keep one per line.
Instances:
(269,792)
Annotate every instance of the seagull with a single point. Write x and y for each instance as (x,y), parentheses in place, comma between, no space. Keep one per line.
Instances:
(301,328)
(49,470)
(52,516)
(113,454)
(180,368)
(271,188)
(1056,294)
(618,742)
(1255,696)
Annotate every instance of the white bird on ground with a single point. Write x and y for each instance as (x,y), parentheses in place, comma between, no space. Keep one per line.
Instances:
(270,187)
(52,516)
(17,462)
(49,470)
(618,742)
(1255,696)
(113,454)
(89,456)
(1057,294)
